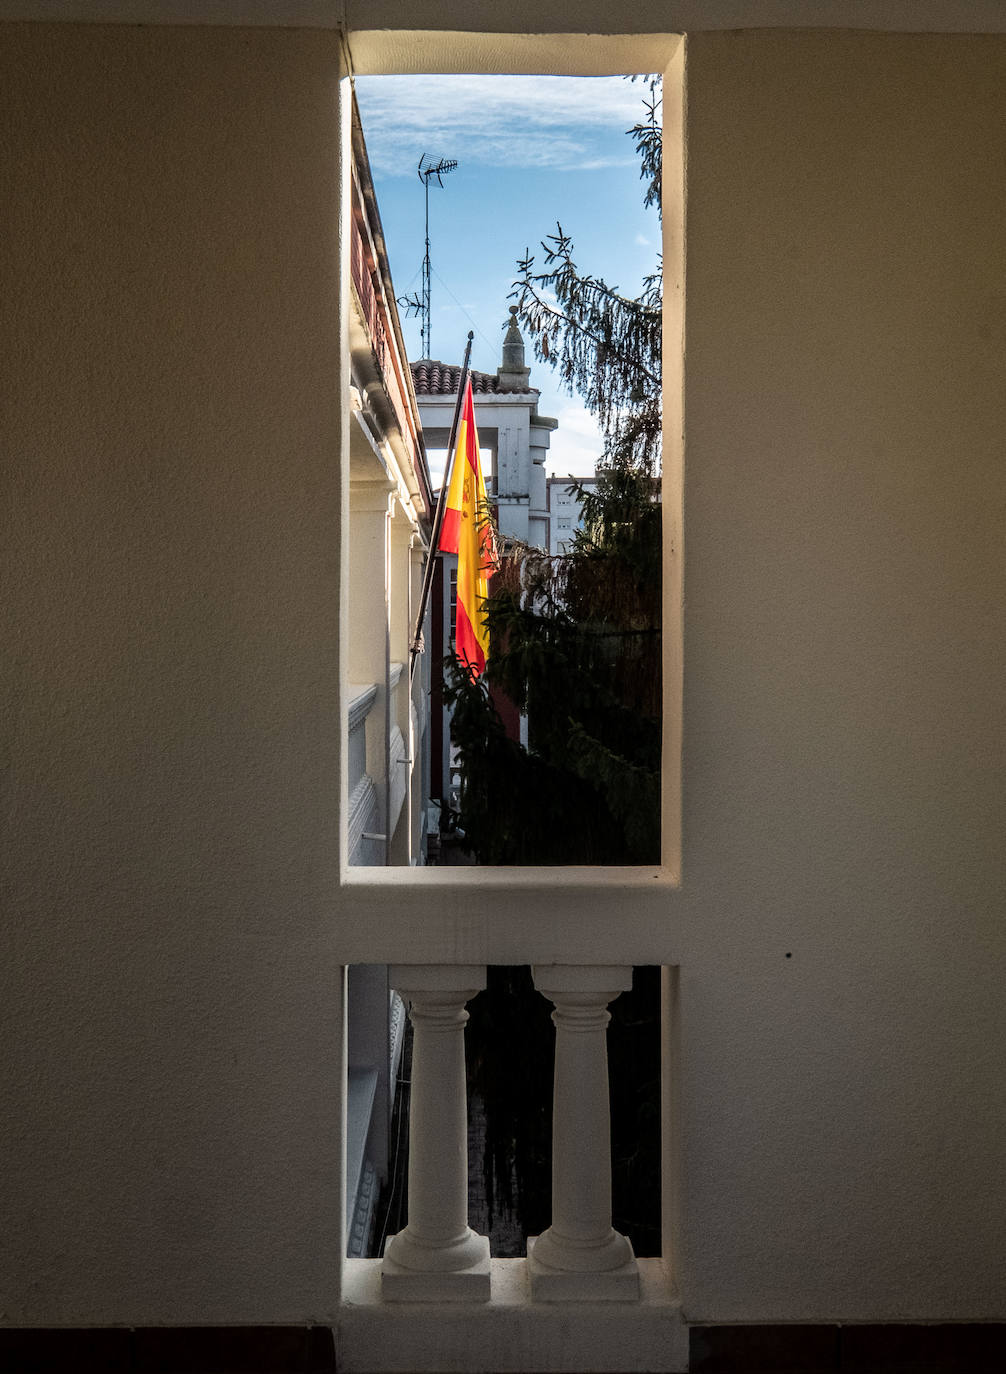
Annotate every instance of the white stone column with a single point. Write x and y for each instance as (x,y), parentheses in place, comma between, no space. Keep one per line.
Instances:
(581,1256)
(437,1256)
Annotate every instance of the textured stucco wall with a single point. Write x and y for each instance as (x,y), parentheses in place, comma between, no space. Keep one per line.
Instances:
(843,1109)
(170,1010)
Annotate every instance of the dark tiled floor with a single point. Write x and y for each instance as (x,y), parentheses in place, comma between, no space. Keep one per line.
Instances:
(966,1348)
(867,1349)
(169,1350)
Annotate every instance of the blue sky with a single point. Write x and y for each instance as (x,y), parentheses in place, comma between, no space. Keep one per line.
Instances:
(530,151)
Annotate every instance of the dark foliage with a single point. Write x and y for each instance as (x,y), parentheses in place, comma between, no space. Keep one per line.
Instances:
(510,1040)
(576,647)
(509,1054)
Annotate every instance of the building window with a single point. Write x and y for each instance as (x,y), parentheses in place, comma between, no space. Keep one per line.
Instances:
(373,53)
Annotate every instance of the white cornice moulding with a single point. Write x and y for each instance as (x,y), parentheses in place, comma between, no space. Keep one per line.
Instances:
(361,699)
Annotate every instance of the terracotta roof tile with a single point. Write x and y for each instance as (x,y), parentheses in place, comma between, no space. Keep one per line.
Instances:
(441,379)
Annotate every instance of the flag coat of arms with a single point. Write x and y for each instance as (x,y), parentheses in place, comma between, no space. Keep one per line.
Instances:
(467,531)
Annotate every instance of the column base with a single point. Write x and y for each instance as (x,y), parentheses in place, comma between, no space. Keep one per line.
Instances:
(470,1284)
(566,1285)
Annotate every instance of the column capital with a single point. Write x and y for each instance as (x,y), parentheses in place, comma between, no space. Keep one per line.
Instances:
(422,982)
(560,981)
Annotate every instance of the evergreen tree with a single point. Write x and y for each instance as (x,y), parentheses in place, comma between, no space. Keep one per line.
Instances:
(576,647)
(576,638)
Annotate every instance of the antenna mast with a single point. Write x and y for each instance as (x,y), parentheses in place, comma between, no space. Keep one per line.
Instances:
(419,302)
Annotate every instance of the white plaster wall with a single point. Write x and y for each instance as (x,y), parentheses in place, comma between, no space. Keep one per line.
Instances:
(169,1139)
(168,1150)
(843,1109)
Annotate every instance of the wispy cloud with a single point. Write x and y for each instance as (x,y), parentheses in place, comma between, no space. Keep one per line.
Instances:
(576,445)
(564,123)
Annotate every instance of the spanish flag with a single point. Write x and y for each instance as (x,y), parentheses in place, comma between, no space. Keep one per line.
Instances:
(467,531)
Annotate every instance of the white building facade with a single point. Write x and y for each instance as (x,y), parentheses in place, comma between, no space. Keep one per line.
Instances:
(565,513)
(513,437)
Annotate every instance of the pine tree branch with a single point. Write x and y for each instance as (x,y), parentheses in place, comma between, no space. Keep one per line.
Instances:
(527,290)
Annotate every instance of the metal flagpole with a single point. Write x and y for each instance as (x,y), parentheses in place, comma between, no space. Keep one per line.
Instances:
(438,519)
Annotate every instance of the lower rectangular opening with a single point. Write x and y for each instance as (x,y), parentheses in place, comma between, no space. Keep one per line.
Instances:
(509,1057)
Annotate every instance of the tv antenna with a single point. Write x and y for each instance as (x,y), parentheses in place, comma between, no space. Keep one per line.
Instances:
(419,302)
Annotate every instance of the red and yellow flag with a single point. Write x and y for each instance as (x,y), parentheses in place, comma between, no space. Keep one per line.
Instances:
(467,531)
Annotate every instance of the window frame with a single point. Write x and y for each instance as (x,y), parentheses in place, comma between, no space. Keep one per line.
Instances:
(434,914)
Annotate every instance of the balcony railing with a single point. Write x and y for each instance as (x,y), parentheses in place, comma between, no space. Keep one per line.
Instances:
(363,260)
(581,1300)
(399,759)
(364,805)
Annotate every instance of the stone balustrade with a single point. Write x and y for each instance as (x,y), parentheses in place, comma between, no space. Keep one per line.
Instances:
(580,1257)
(364,808)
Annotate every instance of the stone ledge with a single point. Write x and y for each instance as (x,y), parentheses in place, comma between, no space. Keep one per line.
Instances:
(511,1333)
